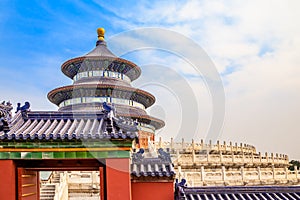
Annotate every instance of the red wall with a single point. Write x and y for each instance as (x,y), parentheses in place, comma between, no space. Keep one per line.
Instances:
(7,180)
(152,191)
(118,185)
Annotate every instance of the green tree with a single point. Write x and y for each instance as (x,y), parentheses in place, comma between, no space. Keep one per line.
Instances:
(294,163)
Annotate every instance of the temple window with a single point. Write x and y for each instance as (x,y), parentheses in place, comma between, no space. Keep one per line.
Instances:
(99,73)
(101,100)
(106,74)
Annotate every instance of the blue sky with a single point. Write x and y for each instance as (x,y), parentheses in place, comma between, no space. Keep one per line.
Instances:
(254,46)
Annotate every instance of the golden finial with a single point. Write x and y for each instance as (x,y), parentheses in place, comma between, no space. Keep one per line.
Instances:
(101,32)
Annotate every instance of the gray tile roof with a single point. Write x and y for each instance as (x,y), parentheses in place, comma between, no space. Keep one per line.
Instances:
(149,166)
(68,126)
(237,193)
(101,50)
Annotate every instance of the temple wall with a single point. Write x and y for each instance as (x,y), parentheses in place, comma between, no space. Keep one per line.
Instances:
(228,164)
(237,176)
(152,190)
(8,183)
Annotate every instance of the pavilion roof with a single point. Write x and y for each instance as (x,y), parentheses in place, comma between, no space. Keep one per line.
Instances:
(101,50)
(56,125)
(151,165)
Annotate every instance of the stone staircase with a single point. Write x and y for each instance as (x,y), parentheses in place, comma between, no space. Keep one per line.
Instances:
(47,190)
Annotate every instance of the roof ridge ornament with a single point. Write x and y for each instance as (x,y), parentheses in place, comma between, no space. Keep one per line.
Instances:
(101,40)
(24,109)
(5,115)
(152,147)
(100,32)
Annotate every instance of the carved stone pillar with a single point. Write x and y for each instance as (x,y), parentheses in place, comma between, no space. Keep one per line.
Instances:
(179,173)
(193,156)
(273,171)
(202,173)
(223,173)
(259,173)
(182,144)
(242,173)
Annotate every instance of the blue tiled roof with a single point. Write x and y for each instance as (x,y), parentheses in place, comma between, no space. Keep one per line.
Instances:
(68,126)
(237,193)
(152,168)
(160,166)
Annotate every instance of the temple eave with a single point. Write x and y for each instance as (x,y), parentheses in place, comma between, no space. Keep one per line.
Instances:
(71,67)
(60,94)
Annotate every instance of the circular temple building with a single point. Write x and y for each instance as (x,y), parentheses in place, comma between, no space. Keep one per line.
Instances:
(100,76)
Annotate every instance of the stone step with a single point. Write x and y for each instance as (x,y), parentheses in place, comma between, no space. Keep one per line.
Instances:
(47,191)
(46,198)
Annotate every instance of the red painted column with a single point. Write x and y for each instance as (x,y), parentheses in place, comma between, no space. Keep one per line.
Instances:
(38,184)
(7,180)
(102,187)
(118,184)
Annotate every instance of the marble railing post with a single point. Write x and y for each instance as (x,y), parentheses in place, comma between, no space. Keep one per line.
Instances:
(202,173)
(193,156)
(236,147)
(259,154)
(177,155)
(207,155)
(179,172)
(259,173)
(242,173)
(286,172)
(172,144)
(273,171)
(296,171)
(160,142)
(223,173)
(193,144)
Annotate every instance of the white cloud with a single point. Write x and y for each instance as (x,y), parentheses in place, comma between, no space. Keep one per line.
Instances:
(255,46)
